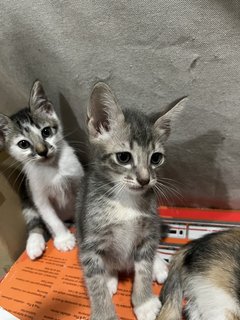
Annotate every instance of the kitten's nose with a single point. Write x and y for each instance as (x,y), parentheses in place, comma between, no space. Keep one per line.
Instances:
(143,181)
(41,150)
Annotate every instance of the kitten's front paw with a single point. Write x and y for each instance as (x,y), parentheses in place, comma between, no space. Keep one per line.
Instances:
(112,284)
(149,309)
(65,242)
(160,269)
(35,245)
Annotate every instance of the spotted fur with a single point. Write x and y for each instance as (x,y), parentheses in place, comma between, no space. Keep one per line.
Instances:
(206,273)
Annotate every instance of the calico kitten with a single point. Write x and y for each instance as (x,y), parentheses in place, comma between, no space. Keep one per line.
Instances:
(207,273)
(117,222)
(34,137)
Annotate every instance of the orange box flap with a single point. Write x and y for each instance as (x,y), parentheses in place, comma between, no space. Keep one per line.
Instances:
(53,288)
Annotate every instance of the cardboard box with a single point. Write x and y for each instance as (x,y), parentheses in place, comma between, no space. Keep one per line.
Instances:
(53,288)
(12,226)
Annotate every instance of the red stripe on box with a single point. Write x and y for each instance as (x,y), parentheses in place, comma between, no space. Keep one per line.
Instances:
(192,214)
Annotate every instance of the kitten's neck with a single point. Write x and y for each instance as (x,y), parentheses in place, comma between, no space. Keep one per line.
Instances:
(141,201)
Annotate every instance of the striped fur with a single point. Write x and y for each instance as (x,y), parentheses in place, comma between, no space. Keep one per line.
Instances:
(118,226)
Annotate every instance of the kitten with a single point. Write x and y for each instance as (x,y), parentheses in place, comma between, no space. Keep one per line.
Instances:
(34,137)
(207,273)
(117,222)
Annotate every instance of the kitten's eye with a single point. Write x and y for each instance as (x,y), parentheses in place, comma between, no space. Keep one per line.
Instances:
(124,157)
(46,132)
(156,158)
(23,144)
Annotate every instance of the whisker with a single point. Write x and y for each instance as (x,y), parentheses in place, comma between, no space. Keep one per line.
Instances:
(69,133)
(77,142)
(170,185)
(18,176)
(21,182)
(173,191)
(16,169)
(10,166)
(102,186)
(159,189)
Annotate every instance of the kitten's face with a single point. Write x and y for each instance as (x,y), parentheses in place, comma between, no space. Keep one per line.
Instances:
(132,158)
(34,134)
(34,138)
(129,144)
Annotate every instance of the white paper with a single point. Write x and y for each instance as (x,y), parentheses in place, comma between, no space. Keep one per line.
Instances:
(4,315)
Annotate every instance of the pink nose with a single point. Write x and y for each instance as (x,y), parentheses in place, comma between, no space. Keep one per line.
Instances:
(41,150)
(143,181)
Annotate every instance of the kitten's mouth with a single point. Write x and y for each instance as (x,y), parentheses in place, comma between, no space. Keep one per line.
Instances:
(46,159)
(138,188)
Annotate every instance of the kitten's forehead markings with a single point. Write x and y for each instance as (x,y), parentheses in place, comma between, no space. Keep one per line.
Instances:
(35,131)
(140,154)
(30,132)
(26,129)
(153,145)
(131,144)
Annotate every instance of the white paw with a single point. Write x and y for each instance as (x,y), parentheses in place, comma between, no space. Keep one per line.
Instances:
(65,242)
(35,245)
(148,310)
(112,284)
(160,269)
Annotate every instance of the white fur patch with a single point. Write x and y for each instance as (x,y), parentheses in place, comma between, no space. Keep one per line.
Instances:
(160,269)
(148,310)
(58,183)
(54,181)
(123,210)
(65,242)
(112,284)
(35,245)
(212,303)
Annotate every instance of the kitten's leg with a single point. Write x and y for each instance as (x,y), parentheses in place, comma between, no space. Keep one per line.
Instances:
(146,305)
(96,281)
(160,269)
(64,240)
(35,243)
(112,282)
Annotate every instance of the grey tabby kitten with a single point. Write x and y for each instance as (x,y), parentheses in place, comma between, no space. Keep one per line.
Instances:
(207,273)
(117,222)
(34,137)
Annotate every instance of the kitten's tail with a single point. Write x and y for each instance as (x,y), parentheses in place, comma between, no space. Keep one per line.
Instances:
(172,293)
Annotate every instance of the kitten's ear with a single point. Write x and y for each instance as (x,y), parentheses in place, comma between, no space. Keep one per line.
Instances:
(5,124)
(171,112)
(103,111)
(39,101)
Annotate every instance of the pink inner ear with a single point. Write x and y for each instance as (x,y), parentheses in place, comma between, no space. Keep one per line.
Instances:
(47,108)
(105,125)
(98,124)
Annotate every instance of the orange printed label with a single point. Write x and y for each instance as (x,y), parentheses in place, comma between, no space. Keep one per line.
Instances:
(53,288)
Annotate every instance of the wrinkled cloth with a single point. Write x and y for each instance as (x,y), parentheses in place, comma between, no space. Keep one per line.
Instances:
(150,52)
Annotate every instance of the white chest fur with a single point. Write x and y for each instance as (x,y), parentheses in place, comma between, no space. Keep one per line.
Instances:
(126,220)
(55,181)
(124,209)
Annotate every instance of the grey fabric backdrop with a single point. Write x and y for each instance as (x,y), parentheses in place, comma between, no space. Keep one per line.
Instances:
(150,52)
